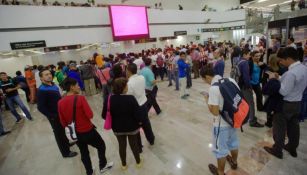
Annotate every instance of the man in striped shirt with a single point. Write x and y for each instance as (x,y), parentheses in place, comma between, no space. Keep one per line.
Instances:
(172,69)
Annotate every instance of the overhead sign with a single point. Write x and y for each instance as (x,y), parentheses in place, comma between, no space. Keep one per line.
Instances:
(167,38)
(59,48)
(28,44)
(145,40)
(178,33)
(222,29)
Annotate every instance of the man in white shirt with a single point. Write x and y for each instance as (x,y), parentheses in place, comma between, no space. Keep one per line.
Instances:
(136,87)
(291,43)
(139,62)
(225,138)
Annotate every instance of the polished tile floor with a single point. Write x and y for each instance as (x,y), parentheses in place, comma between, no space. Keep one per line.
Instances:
(183,143)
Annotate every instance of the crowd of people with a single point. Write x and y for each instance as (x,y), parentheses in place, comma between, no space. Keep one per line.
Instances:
(129,85)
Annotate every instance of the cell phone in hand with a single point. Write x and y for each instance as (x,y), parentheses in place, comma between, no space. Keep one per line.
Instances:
(268,72)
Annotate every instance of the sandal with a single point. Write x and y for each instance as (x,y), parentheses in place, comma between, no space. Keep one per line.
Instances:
(213,169)
(233,165)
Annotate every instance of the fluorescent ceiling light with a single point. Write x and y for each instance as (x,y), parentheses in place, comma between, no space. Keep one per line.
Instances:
(286,2)
(38,52)
(8,53)
(262,0)
(272,5)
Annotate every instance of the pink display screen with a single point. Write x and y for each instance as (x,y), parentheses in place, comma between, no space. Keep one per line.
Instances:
(129,22)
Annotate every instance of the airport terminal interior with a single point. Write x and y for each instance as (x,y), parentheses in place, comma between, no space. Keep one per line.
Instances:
(153,87)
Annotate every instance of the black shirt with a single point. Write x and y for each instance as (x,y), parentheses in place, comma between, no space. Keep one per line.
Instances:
(125,113)
(7,85)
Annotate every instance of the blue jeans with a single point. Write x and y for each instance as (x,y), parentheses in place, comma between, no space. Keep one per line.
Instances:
(1,124)
(173,75)
(10,102)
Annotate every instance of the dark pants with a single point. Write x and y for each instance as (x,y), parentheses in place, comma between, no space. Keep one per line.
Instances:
(287,121)
(59,134)
(133,142)
(161,72)
(155,71)
(151,100)
(189,78)
(258,92)
(196,65)
(146,125)
(27,92)
(94,139)
(248,95)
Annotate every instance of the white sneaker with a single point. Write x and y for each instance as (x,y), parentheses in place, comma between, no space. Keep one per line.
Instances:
(107,167)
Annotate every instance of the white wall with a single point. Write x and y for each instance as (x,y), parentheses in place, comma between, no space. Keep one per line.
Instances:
(29,16)
(220,5)
(11,65)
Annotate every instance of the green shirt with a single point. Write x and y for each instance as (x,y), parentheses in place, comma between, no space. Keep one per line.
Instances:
(149,77)
(59,76)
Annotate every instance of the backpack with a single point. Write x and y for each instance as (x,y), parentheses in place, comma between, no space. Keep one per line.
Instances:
(160,61)
(235,72)
(235,109)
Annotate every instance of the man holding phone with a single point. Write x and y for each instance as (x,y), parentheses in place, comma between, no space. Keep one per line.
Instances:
(293,84)
(225,138)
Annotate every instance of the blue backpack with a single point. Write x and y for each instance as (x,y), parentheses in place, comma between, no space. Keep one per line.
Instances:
(235,108)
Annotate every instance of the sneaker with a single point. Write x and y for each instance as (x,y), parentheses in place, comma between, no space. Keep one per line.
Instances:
(107,167)
(183,97)
(5,133)
(18,120)
(124,168)
(71,154)
(169,85)
(139,165)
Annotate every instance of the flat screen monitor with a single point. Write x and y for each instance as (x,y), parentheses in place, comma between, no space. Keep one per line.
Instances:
(128,22)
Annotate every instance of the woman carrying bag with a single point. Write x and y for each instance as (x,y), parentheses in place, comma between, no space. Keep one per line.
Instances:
(124,111)
(75,111)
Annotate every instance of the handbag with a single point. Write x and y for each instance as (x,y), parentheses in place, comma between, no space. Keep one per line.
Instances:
(70,129)
(108,121)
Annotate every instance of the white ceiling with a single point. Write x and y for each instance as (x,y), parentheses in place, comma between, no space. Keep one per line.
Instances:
(269,4)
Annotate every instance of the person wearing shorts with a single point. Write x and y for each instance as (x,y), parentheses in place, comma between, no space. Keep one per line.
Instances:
(225,139)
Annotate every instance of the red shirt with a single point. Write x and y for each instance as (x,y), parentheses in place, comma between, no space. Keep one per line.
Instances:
(84,114)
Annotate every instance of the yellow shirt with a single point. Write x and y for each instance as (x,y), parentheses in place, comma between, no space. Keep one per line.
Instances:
(99,61)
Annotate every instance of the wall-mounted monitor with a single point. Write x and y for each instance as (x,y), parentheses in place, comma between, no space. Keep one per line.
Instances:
(129,22)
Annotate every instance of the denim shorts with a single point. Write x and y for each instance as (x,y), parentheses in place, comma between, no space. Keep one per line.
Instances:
(227,141)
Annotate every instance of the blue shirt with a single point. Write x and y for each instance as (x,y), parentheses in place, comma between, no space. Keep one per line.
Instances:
(149,77)
(76,75)
(219,68)
(294,82)
(245,77)
(255,75)
(47,100)
(182,66)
